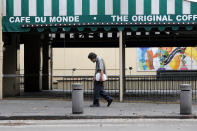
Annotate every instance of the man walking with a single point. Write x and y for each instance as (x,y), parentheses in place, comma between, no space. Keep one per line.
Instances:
(98,83)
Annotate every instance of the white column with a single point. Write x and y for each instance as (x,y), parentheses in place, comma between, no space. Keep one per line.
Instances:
(33,9)
(3,7)
(62,7)
(170,6)
(17,7)
(93,7)
(122,65)
(186,7)
(108,7)
(124,7)
(139,7)
(155,7)
(78,7)
(1,55)
(47,7)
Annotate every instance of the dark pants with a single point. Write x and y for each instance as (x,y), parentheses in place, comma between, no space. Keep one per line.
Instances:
(99,91)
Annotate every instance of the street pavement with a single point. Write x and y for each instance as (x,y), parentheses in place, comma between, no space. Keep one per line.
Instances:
(101,125)
(60,109)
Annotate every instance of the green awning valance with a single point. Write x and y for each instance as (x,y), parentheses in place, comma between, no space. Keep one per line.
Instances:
(21,15)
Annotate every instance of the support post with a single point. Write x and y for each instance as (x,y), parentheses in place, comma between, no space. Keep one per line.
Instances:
(122,65)
(51,65)
(18,66)
(10,80)
(1,56)
(45,66)
(32,62)
(40,66)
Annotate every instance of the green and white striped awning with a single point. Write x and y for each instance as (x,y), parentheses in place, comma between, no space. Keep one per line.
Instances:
(21,15)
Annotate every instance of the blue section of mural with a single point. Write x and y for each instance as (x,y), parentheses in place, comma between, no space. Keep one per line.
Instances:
(141,57)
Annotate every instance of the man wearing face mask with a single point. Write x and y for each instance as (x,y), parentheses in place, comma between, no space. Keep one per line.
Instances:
(99,78)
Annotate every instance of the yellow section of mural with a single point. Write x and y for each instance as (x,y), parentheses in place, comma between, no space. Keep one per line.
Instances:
(175,63)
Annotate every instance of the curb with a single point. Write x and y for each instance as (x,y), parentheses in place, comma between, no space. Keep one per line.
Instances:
(93,117)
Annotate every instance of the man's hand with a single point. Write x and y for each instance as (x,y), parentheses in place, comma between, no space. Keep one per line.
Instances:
(101,76)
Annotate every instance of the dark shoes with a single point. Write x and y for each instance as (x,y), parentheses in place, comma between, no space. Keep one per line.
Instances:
(109,102)
(93,105)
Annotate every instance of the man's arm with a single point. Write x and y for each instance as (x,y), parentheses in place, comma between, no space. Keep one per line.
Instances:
(101,76)
(101,67)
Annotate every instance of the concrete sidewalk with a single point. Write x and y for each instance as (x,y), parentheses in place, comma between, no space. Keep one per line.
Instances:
(59,109)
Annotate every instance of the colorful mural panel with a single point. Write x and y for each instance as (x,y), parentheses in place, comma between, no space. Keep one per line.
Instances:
(167,58)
